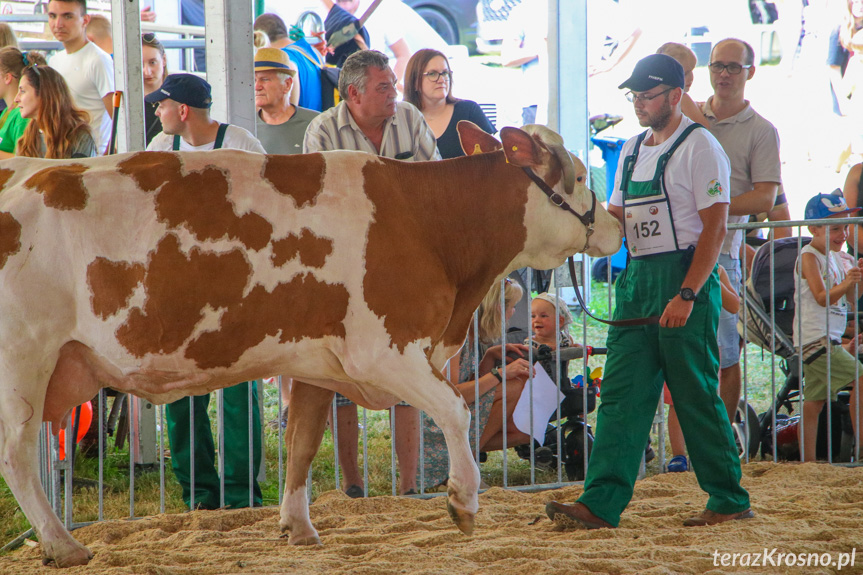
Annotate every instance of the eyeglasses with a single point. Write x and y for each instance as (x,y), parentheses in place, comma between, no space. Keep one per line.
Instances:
(732,68)
(150,38)
(633,97)
(434,75)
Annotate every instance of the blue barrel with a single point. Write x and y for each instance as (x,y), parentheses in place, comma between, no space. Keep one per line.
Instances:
(610,148)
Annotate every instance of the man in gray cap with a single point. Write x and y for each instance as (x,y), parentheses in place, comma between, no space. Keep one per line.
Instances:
(671,196)
(184,109)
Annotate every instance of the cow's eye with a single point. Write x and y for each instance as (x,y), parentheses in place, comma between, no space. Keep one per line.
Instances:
(580,179)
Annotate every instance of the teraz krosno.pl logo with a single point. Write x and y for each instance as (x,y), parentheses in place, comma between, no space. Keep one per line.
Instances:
(776,558)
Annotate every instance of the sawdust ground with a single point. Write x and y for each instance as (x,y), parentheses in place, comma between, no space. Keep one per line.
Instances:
(799,509)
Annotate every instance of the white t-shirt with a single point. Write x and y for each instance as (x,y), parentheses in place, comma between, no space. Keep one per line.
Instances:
(696,177)
(391,21)
(236,138)
(89,72)
(811,313)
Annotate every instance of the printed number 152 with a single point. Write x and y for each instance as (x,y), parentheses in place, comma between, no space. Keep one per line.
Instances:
(647,229)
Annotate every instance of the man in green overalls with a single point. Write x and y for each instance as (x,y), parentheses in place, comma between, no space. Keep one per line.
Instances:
(184,108)
(671,195)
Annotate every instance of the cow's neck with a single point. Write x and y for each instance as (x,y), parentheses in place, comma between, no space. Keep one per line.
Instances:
(475,221)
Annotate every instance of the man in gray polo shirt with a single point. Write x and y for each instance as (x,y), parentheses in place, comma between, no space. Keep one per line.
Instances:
(281,126)
(369,119)
(752,145)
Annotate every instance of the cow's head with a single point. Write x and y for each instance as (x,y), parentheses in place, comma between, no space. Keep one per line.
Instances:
(553,233)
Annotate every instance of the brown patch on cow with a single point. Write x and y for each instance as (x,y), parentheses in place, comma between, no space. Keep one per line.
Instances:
(112,285)
(62,187)
(10,237)
(4,177)
(442,232)
(178,287)
(300,177)
(313,250)
(199,200)
(302,308)
(151,169)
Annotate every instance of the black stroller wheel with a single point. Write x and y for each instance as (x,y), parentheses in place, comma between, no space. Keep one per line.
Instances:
(747,431)
(573,456)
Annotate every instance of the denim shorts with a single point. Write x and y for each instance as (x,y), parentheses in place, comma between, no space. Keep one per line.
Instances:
(727,335)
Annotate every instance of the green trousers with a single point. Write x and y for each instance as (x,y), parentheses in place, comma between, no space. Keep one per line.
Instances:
(236,427)
(640,358)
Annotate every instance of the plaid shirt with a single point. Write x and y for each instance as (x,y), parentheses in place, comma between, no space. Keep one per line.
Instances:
(406,134)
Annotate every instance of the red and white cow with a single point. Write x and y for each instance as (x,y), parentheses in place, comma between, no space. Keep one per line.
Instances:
(170,274)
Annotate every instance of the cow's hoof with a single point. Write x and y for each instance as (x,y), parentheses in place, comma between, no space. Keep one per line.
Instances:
(307,540)
(464,520)
(77,555)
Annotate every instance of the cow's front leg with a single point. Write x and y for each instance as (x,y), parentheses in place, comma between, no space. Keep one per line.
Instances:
(307,419)
(439,399)
(19,463)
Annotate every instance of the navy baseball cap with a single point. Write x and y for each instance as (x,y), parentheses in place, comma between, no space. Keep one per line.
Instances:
(183,88)
(827,206)
(654,70)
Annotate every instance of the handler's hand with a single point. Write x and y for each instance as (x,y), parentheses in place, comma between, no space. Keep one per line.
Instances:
(676,313)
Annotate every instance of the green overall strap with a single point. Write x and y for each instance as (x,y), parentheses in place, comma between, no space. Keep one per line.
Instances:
(629,163)
(220,137)
(659,176)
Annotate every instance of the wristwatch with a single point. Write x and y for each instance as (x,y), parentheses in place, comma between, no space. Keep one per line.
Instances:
(496,372)
(686,294)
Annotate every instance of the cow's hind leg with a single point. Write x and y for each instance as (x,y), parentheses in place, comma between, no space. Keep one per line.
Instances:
(307,420)
(20,419)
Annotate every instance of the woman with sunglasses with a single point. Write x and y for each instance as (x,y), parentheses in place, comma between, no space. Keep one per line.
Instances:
(59,130)
(12,125)
(155,66)
(428,86)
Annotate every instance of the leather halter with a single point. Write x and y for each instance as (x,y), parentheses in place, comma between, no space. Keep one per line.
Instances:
(587,219)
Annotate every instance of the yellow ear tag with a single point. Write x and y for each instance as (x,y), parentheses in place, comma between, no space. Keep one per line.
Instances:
(476,149)
(515,148)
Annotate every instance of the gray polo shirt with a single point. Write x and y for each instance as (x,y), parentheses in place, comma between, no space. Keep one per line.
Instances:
(285,138)
(752,145)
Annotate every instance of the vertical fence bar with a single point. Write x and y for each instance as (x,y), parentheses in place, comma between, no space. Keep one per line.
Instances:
(161,428)
(131,418)
(101,419)
(798,278)
(365,452)
(281,435)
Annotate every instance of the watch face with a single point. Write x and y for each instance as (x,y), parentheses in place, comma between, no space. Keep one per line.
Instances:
(686,294)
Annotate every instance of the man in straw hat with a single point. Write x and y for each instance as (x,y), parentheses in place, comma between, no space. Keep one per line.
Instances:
(281,126)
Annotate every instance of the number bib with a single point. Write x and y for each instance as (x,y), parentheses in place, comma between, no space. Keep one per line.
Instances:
(648,227)
(647,221)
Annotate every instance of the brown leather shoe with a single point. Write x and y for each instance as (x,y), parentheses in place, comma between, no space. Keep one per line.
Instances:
(708,517)
(577,513)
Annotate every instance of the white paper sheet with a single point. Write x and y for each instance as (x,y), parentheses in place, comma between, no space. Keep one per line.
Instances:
(546,396)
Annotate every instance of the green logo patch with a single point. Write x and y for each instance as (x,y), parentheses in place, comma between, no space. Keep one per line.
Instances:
(714,188)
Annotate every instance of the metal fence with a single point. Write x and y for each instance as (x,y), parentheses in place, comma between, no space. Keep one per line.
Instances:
(770,435)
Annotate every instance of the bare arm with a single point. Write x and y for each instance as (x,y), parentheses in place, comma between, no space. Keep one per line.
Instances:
(759,199)
(691,110)
(812,274)
(703,261)
(852,181)
(108,100)
(730,299)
